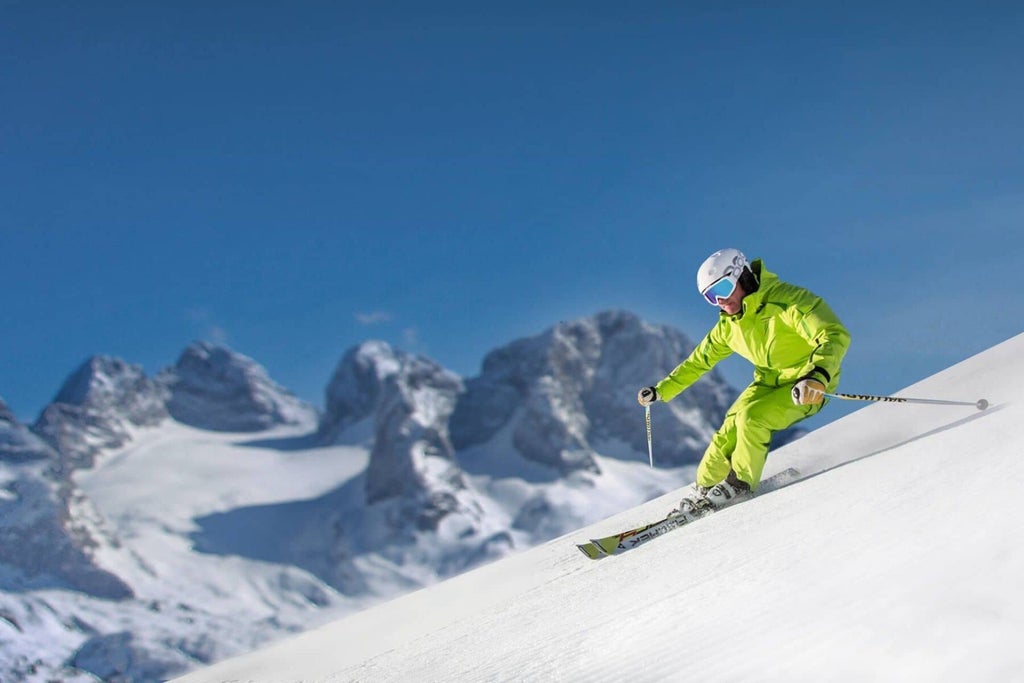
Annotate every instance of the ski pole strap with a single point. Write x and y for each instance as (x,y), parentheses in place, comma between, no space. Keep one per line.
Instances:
(980,404)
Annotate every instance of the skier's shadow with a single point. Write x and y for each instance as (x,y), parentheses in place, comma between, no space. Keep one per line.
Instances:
(932,432)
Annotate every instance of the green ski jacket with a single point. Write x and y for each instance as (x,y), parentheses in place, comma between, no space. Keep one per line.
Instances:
(786,331)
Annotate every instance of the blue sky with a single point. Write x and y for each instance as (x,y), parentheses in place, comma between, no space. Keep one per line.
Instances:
(294,178)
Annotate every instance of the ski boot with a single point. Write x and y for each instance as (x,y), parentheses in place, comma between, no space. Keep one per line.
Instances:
(728,492)
(694,501)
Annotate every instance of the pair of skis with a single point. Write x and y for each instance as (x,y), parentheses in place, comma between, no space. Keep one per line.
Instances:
(616,544)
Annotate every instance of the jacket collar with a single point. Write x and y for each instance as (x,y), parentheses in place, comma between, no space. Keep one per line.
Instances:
(753,300)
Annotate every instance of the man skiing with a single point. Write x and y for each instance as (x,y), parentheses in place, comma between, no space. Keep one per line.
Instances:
(796,344)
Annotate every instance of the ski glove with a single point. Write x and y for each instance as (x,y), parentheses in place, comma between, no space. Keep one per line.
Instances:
(647,396)
(808,392)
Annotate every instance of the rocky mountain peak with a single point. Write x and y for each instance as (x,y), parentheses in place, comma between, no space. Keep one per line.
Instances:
(111,385)
(355,391)
(412,452)
(97,407)
(398,404)
(572,388)
(213,387)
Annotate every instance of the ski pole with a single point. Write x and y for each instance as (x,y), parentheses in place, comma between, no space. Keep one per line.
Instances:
(980,404)
(650,444)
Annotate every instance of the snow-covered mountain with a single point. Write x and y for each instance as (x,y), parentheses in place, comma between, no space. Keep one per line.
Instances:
(894,557)
(559,398)
(97,409)
(155,524)
(399,405)
(43,540)
(409,517)
(212,387)
(17,443)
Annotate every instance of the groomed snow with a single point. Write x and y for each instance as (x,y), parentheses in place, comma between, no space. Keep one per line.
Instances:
(895,557)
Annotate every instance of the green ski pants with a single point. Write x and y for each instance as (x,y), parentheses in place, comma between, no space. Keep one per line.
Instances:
(741,443)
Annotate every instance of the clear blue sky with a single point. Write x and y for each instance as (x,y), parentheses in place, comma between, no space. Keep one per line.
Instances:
(294,178)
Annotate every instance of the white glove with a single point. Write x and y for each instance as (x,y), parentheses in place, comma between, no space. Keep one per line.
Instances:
(808,392)
(647,396)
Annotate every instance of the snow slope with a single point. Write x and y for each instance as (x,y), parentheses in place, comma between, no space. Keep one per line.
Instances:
(895,557)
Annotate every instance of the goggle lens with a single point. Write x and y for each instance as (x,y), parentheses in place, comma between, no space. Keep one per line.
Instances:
(721,289)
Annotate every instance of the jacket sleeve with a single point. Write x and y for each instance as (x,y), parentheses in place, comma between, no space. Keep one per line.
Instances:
(815,321)
(708,353)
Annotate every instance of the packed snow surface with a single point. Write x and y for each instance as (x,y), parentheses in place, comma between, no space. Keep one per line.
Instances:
(896,556)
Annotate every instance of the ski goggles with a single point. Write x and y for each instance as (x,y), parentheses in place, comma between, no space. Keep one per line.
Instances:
(720,289)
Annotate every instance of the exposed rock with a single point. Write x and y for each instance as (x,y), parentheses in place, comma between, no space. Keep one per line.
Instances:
(212,387)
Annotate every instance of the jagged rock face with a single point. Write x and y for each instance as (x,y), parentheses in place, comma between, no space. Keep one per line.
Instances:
(538,381)
(121,657)
(635,354)
(574,386)
(354,393)
(410,400)
(110,384)
(36,539)
(412,454)
(212,387)
(17,443)
(97,407)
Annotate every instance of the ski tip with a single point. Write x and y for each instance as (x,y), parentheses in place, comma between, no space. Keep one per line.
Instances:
(591,550)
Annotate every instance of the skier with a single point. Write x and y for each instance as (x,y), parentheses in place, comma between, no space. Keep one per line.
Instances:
(796,344)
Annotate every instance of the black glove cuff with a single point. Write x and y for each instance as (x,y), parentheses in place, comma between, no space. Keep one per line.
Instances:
(819,373)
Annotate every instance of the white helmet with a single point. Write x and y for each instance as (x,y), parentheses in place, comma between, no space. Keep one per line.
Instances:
(718,275)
